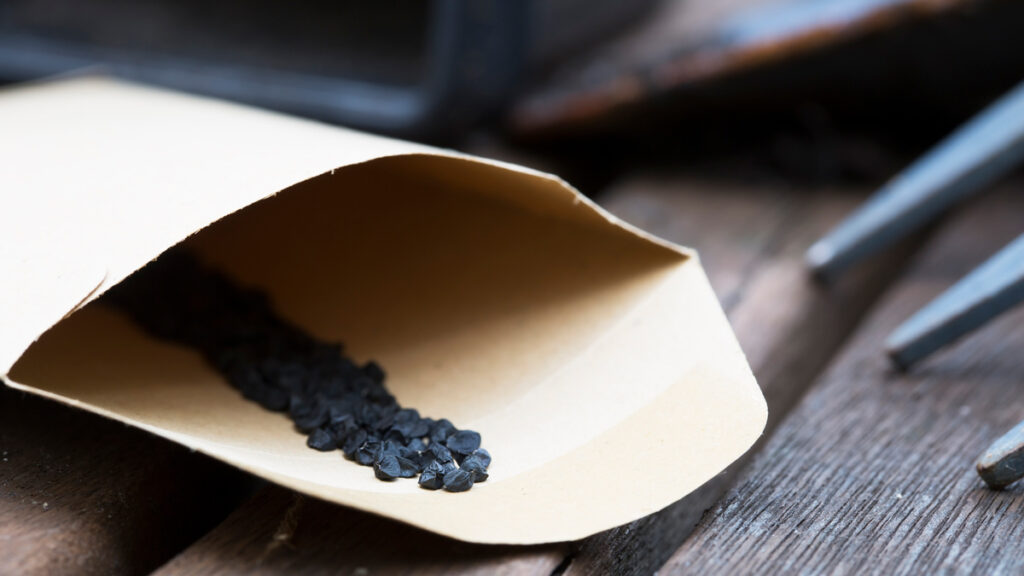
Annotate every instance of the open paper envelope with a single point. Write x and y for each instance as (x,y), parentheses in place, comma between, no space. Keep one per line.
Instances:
(593,358)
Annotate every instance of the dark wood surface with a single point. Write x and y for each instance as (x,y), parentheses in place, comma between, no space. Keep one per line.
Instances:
(83,495)
(281,532)
(873,472)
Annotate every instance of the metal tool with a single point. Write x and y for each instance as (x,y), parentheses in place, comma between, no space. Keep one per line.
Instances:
(976,154)
(991,289)
(1003,463)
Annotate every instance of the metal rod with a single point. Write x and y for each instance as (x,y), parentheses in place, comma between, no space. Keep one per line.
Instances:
(1003,463)
(977,153)
(986,292)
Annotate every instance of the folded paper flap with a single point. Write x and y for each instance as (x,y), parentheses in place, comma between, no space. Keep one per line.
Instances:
(35,298)
(111,174)
(530,190)
(581,348)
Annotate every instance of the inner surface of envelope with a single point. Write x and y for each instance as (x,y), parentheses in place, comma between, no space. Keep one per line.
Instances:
(594,359)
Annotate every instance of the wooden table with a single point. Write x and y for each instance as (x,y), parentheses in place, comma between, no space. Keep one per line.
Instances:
(861,469)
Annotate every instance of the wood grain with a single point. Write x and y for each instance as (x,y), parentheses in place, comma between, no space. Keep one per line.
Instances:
(751,242)
(281,532)
(873,472)
(84,495)
(788,327)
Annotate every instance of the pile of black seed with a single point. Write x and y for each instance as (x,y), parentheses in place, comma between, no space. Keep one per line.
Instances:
(337,403)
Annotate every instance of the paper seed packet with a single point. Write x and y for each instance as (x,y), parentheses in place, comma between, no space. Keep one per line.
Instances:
(593,358)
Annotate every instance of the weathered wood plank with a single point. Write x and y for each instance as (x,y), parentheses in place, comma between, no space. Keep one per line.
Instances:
(281,532)
(751,242)
(788,327)
(873,471)
(84,495)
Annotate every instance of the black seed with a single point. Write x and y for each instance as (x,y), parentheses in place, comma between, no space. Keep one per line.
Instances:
(368,453)
(353,442)
(365,457)
(441,430)
(309,414)
(267,396)
(406,452)
(387,468)
(365,386)
(332,388)
(440,453)
(322,440)
(390,448)
(377,394)
(458,481)
(421,429)
(384,422)
(409,469)
(342,424)
(372,370)
(483,456)
(463,442)
(475,467)
(431,480)
(432,477)
(292,377)
(275,399)
(406,416)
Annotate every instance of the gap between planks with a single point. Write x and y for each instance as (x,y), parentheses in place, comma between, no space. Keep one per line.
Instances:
(751,241)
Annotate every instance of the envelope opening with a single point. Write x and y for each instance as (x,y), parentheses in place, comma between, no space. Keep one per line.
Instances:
(471,294)
(582,349)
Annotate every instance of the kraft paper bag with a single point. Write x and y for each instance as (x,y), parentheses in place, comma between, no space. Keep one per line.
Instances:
(593,358)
